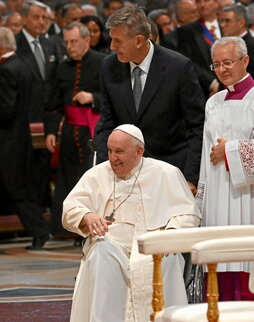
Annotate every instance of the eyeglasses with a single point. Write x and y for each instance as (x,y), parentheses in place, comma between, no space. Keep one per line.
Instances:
(226,63)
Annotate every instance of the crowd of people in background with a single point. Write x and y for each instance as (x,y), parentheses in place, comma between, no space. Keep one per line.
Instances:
(73,67)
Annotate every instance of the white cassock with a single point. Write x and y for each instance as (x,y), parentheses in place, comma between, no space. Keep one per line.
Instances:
(227,197)
(114,283)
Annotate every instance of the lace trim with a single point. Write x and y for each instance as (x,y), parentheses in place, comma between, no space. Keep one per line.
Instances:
(200,191)
(246,149)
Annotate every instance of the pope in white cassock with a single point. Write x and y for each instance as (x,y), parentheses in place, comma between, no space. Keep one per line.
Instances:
(113,203)
(225,190)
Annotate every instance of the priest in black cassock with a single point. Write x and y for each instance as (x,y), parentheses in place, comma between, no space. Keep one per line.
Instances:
(75,98)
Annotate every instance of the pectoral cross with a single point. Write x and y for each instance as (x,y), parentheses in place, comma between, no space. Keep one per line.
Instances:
(111,217)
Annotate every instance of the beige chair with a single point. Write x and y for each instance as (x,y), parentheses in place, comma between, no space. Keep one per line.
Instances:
(181,240)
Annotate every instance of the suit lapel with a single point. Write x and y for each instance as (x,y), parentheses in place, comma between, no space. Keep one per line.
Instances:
(123,72)
(204,47)
(153,81)
(26,54)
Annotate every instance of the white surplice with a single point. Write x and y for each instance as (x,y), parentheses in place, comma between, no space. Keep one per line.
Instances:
(227,197)
(114,282)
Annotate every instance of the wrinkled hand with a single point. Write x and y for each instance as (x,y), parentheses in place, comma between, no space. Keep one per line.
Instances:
(218,152)
(192,188)
(96,224)
(83,97)
(51,142)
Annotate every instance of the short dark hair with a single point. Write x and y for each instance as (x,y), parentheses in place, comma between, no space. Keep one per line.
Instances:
(107,3)
(66,8)
(96,19)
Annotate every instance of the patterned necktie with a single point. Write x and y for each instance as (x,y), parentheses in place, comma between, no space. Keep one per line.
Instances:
(39,57)
(137,88)
(212,31)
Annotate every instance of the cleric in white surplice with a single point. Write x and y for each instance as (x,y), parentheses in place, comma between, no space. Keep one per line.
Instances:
(226,183)
(113,203)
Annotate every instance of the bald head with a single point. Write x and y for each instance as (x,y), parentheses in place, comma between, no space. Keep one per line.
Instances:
(186,11)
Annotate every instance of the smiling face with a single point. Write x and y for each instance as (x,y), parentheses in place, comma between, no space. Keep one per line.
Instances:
(123,153)
(229,75)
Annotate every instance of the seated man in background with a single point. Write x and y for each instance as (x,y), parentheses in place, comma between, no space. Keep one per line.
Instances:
(113,203)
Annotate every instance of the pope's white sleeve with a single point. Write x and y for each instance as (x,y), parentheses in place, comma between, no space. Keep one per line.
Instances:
(183,221)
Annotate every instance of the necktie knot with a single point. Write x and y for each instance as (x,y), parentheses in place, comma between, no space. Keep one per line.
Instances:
(36,42)
(137,71)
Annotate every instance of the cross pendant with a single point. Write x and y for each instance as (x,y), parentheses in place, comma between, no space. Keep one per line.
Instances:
(111,217)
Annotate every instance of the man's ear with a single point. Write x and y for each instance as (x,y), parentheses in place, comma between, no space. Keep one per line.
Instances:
(246,60)
(140,151)
(139,40)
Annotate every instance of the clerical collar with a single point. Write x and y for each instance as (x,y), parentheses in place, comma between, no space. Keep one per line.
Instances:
(240,89)
(237,86)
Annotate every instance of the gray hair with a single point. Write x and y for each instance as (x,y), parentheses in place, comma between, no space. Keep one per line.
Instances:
(133,18)
(239,11)
(154,14)
(28,4)
(240,46)
(7,39)
(137,142)
(90,7)
(3,4)
(83,30)
(250,13)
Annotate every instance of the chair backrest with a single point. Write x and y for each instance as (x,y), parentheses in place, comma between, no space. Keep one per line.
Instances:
(223,250)
(182,240)
(212,252)
(160,242)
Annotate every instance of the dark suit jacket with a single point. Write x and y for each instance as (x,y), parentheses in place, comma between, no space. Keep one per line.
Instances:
(15,138)
(192,45)
(171,39)
(171,112)
(40,86)
(249,40)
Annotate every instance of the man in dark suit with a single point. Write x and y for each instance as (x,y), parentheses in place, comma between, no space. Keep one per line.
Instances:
(185,12)
(234,22)
(39,57)
(171,109)
(15,141)
(195,40)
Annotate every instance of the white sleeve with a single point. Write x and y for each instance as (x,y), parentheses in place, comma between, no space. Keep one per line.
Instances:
(183,221)
(240,158)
